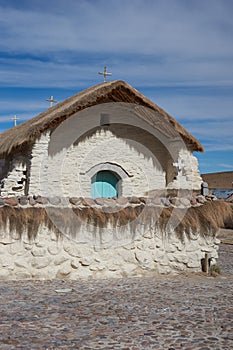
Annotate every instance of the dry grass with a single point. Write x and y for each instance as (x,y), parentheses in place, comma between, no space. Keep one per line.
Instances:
(207,219)
(204,220)
(24,220)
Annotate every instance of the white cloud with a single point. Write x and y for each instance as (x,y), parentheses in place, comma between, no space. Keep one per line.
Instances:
(28,72)
(8,118)
(227,166)
(22,105)
(197,109)
(218,147)
(24,108)
(213,130)
(214,135)
(165,27)
(148,42)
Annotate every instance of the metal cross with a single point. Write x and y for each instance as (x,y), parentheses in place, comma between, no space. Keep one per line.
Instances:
(179,165)
(15,120)
(51,100)
(105,73)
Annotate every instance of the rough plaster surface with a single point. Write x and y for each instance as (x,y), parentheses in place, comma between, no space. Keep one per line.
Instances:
(15,182)
(67,172)
(97,254)
(190,178)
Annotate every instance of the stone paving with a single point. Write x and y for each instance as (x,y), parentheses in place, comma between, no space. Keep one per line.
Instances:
(183,312)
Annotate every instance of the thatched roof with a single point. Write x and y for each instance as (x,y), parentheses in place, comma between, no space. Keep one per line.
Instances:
(114,91)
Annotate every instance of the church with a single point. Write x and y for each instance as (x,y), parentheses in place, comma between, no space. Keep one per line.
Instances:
(104,184)
(107,141)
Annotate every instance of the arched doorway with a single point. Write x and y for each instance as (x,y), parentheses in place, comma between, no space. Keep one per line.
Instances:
(104,184)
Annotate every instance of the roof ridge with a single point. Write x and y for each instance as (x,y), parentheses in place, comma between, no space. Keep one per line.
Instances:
(117,90)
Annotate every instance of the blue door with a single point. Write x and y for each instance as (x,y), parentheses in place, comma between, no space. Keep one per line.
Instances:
(104,184)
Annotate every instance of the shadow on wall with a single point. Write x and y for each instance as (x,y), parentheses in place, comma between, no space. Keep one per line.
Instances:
(142,142)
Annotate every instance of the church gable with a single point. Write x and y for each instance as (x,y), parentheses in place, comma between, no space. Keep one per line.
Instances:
(115,91)
(109,125)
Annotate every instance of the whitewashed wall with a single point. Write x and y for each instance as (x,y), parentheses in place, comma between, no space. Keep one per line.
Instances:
(108,255)
(104,147)
(67,172)
(190,178)
(39,165)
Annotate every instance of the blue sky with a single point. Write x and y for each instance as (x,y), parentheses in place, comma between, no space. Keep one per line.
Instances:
(179,53)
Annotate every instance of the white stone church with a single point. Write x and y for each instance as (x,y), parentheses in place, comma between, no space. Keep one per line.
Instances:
(90,188)
(106,141)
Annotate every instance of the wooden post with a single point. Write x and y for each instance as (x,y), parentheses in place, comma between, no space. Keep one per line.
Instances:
(206,263)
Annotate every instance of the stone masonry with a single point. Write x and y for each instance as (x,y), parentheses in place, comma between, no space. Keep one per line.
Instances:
(95,253)
(68,172)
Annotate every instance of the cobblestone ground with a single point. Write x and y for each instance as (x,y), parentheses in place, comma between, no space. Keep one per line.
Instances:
(147,313)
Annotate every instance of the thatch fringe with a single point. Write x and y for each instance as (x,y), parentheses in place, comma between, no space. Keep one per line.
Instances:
(24,220)
(204,220)
(207,219)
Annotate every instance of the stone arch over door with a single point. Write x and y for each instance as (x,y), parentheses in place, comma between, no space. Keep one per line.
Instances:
(108,166)
(106,173)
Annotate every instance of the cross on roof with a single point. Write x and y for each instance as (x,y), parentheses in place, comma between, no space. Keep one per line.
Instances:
(179,165)
(51,100)
(105,73)
(15,120)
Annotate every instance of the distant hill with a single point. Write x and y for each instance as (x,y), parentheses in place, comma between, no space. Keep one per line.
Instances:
(219,180)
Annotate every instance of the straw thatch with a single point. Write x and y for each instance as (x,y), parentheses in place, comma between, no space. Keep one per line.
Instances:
(204,220)
(115,91)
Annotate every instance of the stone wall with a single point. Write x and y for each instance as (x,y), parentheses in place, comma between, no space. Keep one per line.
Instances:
(50,257)
(190,178)
(16,178)
(101,253)
(67,172)
(38,169)
(145,161)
